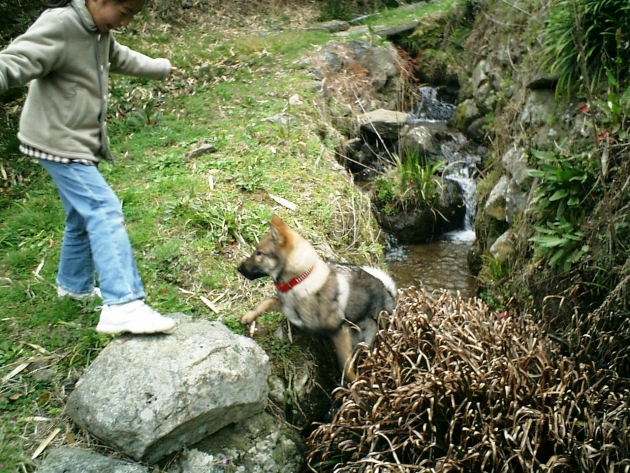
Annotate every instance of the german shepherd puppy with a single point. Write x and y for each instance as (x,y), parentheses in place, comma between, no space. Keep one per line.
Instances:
(341,301)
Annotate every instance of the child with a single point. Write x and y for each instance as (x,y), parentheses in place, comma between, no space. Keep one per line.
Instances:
(67,54)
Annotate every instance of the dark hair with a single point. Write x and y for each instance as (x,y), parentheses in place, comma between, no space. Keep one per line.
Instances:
(57,3)
(63,3)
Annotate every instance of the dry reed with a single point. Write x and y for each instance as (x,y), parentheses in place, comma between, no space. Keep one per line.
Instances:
(450,386)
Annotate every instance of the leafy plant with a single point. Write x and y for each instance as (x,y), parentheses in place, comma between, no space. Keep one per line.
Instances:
(253,179)
(558,204)
(561,243)
(8,351)
(613,117)
(498,269)
(384,190)
(419,176)
(16,17)
(586,36)
(413,181)
(562,184)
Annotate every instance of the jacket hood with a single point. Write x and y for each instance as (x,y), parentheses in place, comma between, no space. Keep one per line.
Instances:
(84,14)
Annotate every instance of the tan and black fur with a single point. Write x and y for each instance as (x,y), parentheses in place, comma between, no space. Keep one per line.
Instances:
(338,300)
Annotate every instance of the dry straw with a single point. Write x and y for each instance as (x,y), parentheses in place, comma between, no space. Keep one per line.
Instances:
(449,386)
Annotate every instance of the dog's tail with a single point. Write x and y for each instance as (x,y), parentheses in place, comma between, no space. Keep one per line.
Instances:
(385,278)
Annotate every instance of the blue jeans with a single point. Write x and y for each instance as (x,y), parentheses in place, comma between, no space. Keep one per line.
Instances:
(95,236)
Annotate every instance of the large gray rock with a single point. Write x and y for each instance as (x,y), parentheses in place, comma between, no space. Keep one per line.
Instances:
(72,460)
(496,203)
(333,26)
(466,113)
(540,108)
(506,200)
(402,29)
(381,64)
(514,161)
(377,62)
(417,139)
(503,248)
(386,123)
(486,82)
(148,396)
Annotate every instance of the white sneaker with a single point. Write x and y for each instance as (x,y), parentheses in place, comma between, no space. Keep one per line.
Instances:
(61,292)
(134,317)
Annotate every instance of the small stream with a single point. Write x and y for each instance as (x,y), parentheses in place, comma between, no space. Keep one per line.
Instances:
(437,265)
(441,264)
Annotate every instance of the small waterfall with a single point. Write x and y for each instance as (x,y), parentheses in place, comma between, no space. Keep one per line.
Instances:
(461,169)
(462,176)
(442,262)
(430,108)
(433,112)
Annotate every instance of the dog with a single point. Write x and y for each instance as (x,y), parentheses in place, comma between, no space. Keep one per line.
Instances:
(341,301)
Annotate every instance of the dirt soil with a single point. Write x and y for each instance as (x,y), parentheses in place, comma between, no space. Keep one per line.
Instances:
(235,17)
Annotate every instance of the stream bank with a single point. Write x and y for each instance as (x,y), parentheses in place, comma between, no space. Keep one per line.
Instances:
(427,242)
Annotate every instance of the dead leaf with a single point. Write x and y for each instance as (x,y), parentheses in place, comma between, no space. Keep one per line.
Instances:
(38,348)
(284,202)
(45,443)
(16,371)
(212,307)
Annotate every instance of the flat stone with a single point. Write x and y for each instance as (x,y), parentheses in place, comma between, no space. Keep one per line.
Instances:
(73,460)
(405,28)
(333,26)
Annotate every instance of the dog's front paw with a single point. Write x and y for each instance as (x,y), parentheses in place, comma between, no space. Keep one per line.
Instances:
(249,317)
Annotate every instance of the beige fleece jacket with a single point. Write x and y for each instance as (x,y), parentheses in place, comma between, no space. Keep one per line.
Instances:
(67,63)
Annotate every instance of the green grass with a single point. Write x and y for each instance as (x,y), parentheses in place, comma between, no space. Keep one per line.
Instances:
(191,220)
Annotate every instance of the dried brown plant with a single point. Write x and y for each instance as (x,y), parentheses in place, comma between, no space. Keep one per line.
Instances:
(450,386)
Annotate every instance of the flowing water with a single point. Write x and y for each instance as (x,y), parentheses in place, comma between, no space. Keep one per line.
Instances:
(442,264)
(437,265)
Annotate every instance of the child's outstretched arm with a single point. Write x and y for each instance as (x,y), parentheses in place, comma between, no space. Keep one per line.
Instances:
(132,63)
(32,55)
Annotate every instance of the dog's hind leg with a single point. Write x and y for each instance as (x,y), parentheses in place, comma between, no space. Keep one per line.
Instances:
(264,306)
(343,346)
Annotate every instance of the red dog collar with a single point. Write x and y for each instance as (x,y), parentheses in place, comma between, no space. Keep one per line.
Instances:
(284,287)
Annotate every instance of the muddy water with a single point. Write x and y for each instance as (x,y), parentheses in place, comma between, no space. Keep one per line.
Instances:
(438,265)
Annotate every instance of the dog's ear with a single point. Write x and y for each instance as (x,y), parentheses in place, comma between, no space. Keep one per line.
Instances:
(276,221)
(274,229)
(278,230)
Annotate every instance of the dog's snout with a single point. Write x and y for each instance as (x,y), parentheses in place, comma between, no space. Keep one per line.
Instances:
(250,271)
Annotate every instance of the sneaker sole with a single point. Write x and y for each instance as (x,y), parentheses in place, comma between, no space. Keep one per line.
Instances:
(117,329)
